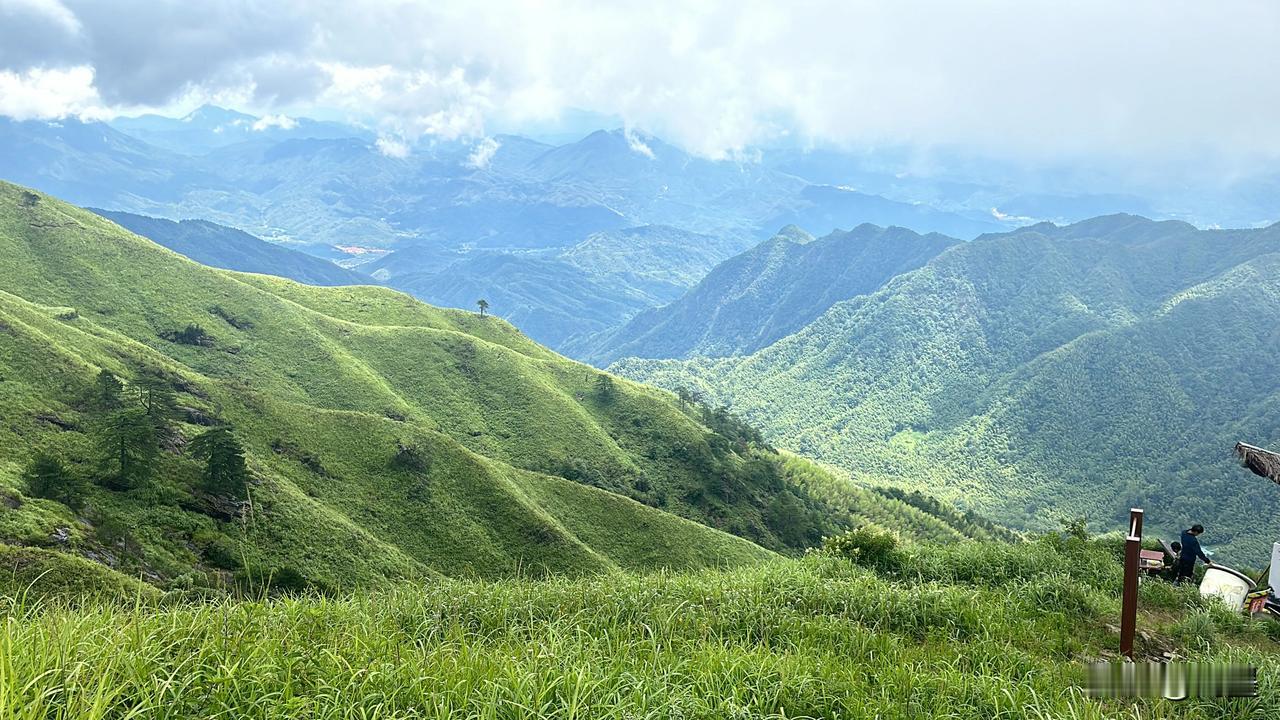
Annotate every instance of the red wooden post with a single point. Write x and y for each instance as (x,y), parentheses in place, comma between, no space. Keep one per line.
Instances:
(1129,601)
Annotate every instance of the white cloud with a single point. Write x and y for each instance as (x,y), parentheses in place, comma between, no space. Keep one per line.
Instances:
(1123,83)
(637,145)
(42,94)
(482,153)
(50,10)
(392,147)
(266,122)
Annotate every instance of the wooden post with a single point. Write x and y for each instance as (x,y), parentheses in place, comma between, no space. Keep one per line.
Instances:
(1129,601)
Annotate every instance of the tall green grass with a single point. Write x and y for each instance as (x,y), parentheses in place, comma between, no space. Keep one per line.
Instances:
(968,630)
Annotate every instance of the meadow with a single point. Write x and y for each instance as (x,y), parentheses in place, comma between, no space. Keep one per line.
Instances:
(963,630)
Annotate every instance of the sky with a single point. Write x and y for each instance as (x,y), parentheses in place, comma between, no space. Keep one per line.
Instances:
(1158,82)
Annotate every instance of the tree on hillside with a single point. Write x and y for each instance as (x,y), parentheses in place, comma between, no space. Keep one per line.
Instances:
(128,445)
(46,476)
(688,395)
(483,305)
(107,392)
(157,399)
(156,396)
(225,472)
(605,389)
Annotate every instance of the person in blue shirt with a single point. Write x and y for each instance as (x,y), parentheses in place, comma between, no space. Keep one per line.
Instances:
(1190,551)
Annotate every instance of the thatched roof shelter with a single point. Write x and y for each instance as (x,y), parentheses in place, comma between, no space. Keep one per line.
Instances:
(1262,462)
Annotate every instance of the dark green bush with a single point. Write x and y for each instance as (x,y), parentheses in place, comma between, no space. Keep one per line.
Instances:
(47,476)
(867,545)
(217,549)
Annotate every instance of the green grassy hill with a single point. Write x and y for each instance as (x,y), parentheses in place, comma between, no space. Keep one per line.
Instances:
(386,438)
(962,630)
(764,294)
(1045,373)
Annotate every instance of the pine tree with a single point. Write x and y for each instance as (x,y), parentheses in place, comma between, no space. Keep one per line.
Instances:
(156,397)
(107,393)
(128,445)
(483,305)
(223,455)
(46,476)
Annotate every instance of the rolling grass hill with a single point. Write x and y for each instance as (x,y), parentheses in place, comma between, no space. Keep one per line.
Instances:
(386,438)
(231,249)
(766,293)
(1040,374)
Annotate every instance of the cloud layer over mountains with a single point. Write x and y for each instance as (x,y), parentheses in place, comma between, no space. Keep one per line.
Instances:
(1178,80)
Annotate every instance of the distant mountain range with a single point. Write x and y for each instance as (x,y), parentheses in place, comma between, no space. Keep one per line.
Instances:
(326,185)
(566,241)
(765,294)
(1031,376)
(210,127)
(223,247)
(560,239)
(557,294)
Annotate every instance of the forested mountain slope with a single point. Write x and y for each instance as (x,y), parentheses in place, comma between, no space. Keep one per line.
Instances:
(1040,374)
(766,293)
(384,438)
(231,249)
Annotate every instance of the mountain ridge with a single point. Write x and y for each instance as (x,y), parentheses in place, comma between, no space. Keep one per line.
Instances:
(1073,370)
(766,293)
(224,247)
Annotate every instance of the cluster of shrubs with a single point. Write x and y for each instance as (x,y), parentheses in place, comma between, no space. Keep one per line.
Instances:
(192,334)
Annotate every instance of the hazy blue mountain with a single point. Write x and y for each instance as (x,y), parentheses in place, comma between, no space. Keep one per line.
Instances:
(660,260)
(557,294)
(821,209)
(209,127)
(322,186)
(1046,373)
(766,293)
(651,181)
(981,188)
(223,247)
(90,163)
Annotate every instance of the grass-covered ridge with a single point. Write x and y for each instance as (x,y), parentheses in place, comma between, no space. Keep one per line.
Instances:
(387,439)
(963,630)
